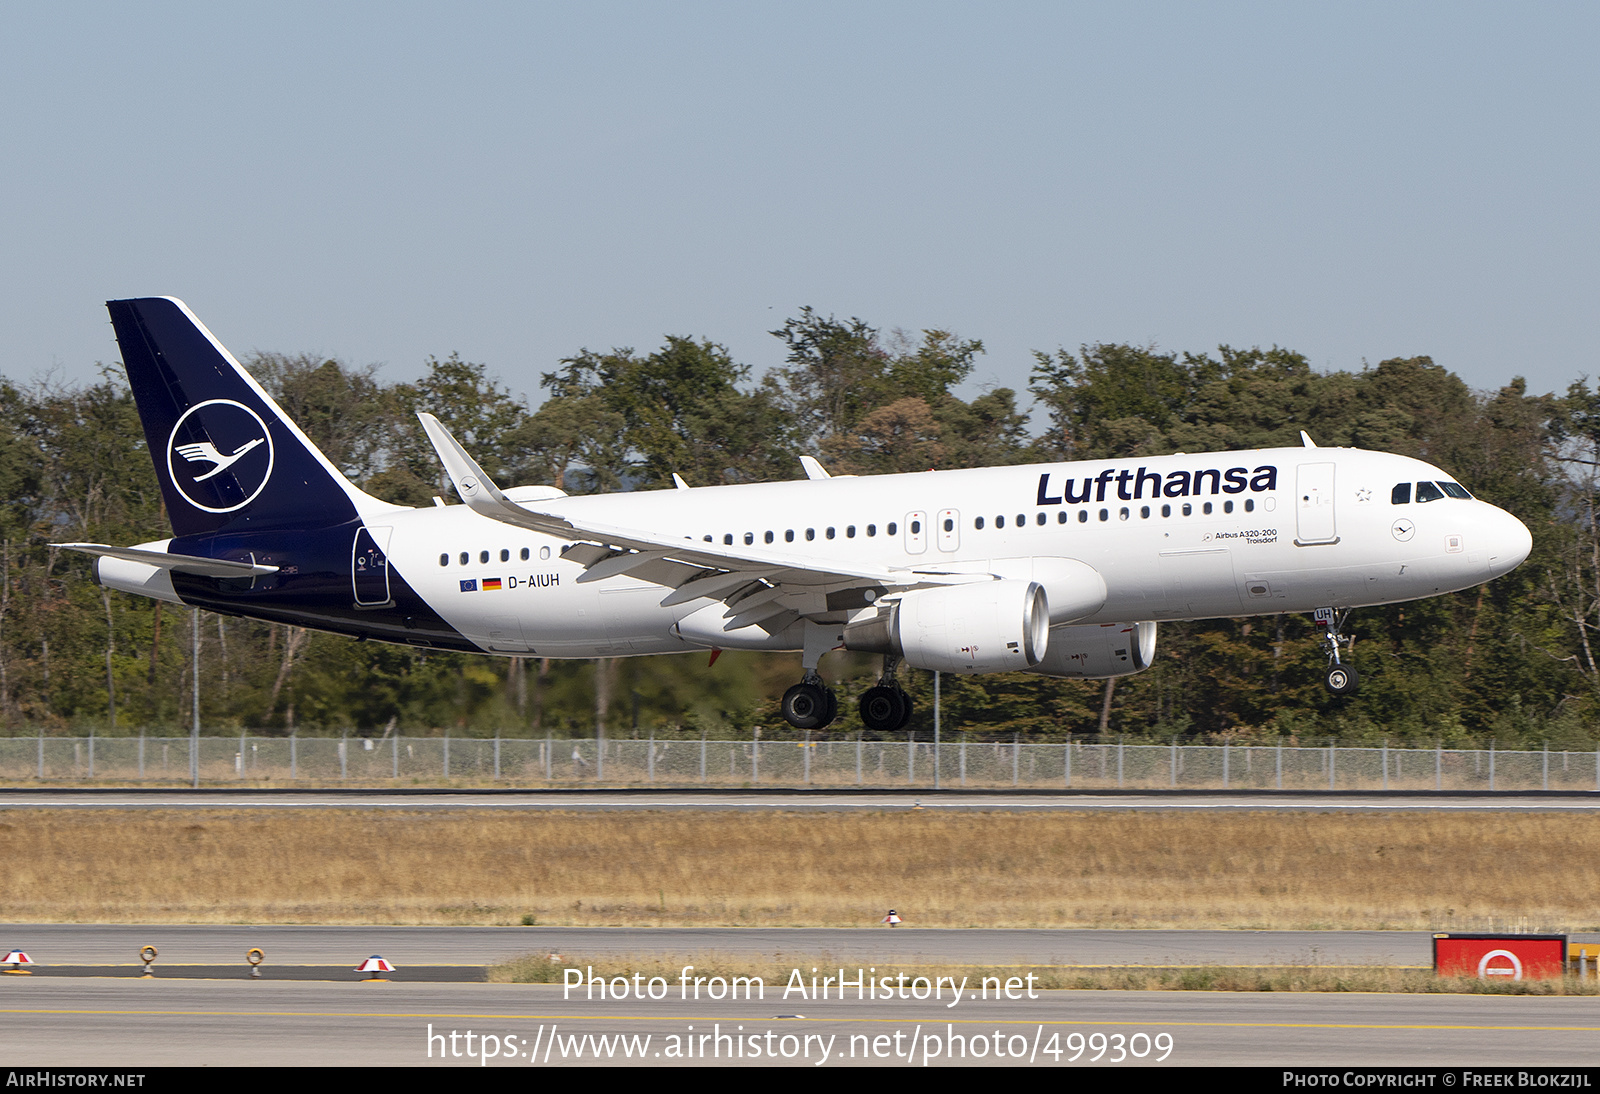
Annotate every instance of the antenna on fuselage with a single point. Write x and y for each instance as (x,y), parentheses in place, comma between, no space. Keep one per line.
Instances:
(814,469)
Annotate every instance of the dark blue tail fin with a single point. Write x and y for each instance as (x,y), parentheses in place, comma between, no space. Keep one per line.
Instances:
(226,456)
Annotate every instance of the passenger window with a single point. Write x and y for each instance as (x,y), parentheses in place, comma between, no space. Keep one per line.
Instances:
(949,525)
(1022,520)
(1249,505)
(811,533)
(464,558)
(850,531)
(1105,514)
(1083,516)
(1144,512)
(444,560)
(872,529)
(749,538)
(1426,491)
(1166,510)
(788,536)
(1227,507)
(891,528)
(829,533)
(505,555)
(483,557)
(767,538)
(916,527)
(978,524)
(1039,518)
(1207,508)
(524,554)
(999,522)
(544,552)
(1188,510)
(1123,513)
(727,539)
(708,539)
(1061,516)
(1401,494)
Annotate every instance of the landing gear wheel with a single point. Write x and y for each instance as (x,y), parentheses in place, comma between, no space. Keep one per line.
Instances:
(884,709)
(1342,680)
(808,706)
(905,709)
(833,708)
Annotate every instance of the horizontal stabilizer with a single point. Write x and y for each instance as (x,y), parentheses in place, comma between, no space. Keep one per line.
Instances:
(184,564)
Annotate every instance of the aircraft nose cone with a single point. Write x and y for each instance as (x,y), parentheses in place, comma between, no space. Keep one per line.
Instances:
(1510,542)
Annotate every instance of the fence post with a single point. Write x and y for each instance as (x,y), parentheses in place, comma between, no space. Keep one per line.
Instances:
(1067,765)
(394,756)
(1547,765)
(294,758)
(141,755)
(1224,765)
(650,761)
(755,759)
(344,754)
(1016,758)
(805,758)
(702,756)
(859,747)
(1280,763)
(41,761)
(241,754)
(1491,763)
(1438,766)
(447,752)
(964,762)
(91,752)
(1331,759)
(1174,760)
(1386,763)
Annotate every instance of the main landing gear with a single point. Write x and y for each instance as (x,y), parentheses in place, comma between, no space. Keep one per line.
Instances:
(811,704)
(1340,679)
(885,707)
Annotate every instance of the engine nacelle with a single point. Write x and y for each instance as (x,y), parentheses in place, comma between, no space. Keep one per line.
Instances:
(988,626)
(1099,650)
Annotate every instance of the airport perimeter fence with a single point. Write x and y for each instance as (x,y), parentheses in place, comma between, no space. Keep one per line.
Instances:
(562,762)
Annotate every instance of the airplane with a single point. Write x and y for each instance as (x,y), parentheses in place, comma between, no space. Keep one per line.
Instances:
(1062,569)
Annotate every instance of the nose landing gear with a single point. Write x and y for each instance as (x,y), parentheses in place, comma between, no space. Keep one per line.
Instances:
(1340,679)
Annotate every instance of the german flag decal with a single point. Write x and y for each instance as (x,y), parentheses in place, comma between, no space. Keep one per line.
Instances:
(490,583)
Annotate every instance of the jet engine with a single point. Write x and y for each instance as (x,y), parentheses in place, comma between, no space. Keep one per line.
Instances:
(1099,650)
(987,626)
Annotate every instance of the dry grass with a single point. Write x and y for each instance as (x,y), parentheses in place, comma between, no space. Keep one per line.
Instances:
(1452,871)
(776,971)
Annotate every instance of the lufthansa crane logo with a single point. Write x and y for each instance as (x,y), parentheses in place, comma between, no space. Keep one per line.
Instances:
(220,455)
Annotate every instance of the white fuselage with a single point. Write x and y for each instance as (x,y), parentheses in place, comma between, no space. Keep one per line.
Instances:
(1173,537)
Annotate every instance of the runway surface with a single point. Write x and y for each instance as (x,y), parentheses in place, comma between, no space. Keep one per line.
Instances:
(133,1023)
(111,944)
(800,800)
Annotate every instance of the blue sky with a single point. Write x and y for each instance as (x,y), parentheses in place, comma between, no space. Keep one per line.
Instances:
(516,181)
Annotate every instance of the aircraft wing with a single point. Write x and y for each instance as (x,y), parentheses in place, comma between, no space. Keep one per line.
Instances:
(183,564)
(757,583)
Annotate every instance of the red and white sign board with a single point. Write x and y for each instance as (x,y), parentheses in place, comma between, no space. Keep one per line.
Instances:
(1500,956)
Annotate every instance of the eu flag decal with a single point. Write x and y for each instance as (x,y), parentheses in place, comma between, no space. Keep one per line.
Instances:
(470,585)
(490,583)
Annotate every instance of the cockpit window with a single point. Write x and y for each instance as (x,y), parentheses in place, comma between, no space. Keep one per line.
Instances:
(1401,494)
(1426,491)
(1455,490)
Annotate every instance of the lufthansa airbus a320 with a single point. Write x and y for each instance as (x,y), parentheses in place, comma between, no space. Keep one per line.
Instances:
(1062,569)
